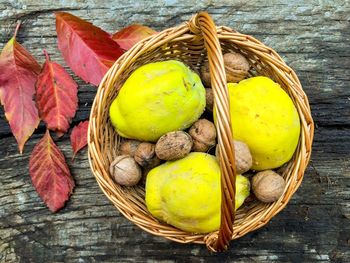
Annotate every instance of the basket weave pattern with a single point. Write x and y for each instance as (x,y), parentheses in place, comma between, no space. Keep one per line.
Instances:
(193,43)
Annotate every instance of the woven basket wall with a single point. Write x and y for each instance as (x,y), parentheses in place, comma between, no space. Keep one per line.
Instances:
(193,43)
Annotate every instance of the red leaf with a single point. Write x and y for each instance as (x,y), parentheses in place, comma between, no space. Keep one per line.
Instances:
(88,50)
(57,96)
(50,174)
(18,74)
(130,35)
(78,137)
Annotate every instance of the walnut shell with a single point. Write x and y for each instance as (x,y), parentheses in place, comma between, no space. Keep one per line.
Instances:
(145,155)
(236,68)
(209,98)
(125,170)
(173,145)
(268,186)
(243,157)
(203,134)
(128,147)
(205,74)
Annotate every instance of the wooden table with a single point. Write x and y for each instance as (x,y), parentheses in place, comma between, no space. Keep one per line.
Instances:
(312,36)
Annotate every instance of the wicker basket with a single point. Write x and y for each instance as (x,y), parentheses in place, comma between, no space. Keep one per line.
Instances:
(194,42)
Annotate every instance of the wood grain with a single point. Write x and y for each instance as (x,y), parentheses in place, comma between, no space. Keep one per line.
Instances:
(312,36)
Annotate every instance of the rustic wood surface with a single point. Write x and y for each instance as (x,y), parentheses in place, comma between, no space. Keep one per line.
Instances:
(312,36)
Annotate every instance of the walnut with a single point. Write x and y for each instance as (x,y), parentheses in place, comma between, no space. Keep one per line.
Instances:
(128,147)
(236,68)
(205,74)
(145,155)
(209,97)
(268,186)
(125,170)
(243,157)
(203,134)
(174,145)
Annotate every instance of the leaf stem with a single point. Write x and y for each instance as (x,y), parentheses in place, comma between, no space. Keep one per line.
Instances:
(17,27)
(46,55)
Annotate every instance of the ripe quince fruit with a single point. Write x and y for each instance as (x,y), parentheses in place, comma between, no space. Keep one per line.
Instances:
(186,193)
(265,118)
(157,98)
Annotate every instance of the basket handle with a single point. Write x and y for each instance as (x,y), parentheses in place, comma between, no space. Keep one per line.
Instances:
(202,24)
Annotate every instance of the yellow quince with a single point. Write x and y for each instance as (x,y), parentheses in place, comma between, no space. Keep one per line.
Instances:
(265,118)
(186,193)
(157,98)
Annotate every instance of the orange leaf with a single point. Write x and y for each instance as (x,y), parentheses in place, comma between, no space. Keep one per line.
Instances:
(18,74)
(78,137)
(50,174)
(88,50)
(130,35)
(57,96)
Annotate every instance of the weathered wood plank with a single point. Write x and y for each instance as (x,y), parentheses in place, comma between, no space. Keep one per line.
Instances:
(313,37)
(314,226)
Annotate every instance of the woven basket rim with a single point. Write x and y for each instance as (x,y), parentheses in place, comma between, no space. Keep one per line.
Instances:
(301,158)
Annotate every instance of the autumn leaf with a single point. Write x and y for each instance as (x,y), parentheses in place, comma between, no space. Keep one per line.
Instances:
(50,174)
(78,137)
(88,50)
(56,96)
(18,74)
(130,35)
